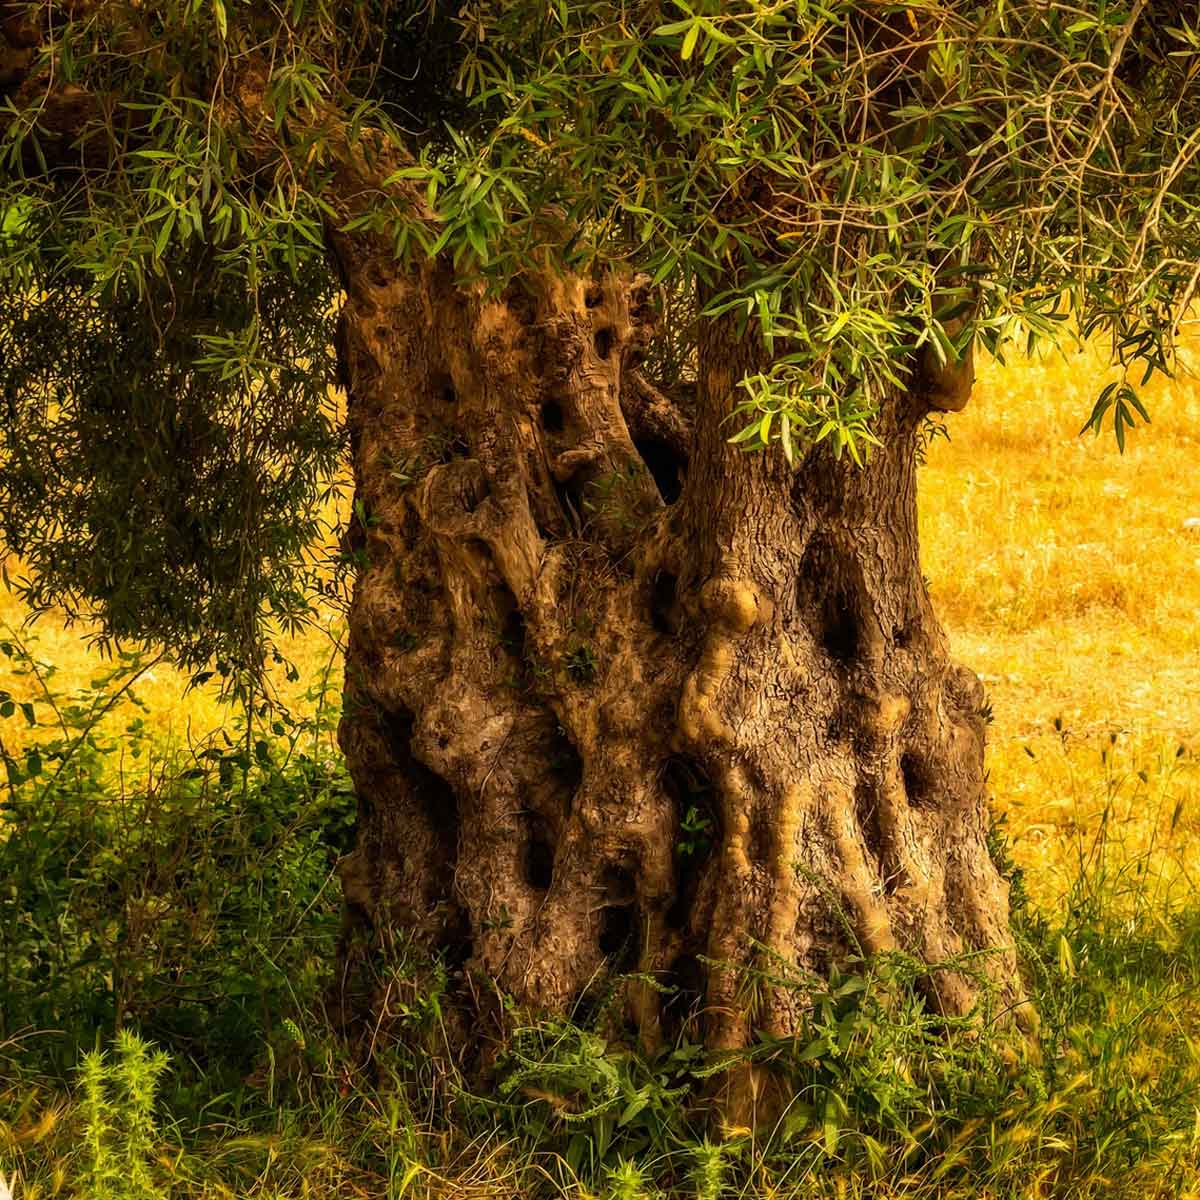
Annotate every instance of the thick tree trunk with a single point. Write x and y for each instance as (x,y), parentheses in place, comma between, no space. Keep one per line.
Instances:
(621,698)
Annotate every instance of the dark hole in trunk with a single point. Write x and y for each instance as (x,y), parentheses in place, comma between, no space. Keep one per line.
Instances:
(552,417)
(620,924)
(357,917)
(604,342)
(512,626)
(564,759)
(686,980)
(426,788)
(665,464)
(839,628)
(823,586)
(458,948)
(585,1009)
(620,936)
(550,524)
(455,447)
(619,885)
(442,386)
(662,606)
(539,854)
(571,495)
(919,784)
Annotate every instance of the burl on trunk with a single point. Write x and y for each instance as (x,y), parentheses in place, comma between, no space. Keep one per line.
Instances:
(623,698)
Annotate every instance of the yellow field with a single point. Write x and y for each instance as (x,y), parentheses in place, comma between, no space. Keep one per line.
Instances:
(1065,576)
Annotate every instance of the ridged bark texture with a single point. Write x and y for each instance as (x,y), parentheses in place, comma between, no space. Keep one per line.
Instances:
(622,698)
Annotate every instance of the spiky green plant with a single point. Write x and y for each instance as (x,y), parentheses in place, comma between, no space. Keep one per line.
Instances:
(118,1089)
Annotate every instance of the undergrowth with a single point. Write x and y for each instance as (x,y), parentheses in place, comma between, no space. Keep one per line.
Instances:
(169,927)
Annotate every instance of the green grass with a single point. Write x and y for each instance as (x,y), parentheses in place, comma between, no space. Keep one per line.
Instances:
(168,925)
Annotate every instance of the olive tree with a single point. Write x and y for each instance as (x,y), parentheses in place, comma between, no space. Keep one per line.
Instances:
(644,311)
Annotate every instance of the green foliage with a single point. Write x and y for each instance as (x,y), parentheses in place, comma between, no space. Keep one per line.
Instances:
(711,1170)
(166,323)
(170,469)
(777,412)
(695,828)
(580,663)
(858,181)
(187,895)
(1123,401)
(627,1181)
(860,184)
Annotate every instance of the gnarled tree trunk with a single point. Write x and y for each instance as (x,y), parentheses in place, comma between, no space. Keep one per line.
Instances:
(621,698)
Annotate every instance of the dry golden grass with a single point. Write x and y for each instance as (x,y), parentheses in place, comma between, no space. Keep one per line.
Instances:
(1065,576)
(175,712)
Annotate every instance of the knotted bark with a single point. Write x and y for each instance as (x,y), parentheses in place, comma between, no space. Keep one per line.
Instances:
(622,698)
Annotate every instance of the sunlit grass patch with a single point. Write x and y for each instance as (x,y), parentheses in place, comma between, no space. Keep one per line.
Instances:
(1068,576)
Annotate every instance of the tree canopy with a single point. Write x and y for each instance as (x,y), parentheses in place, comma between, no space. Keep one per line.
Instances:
(876,186)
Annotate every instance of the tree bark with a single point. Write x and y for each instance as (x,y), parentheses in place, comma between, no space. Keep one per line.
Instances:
(622,698)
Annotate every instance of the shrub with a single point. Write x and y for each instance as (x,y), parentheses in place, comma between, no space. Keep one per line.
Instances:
(189,895)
